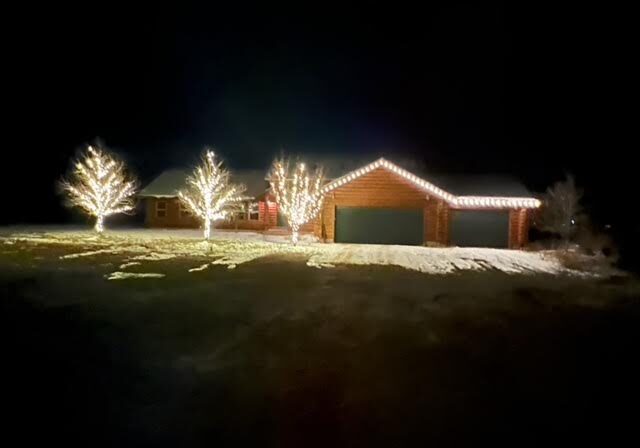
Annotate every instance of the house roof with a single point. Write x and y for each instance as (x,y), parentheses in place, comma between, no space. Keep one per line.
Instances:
(481,184)
(166,184)
(485,191)
(460,193)
(336,165)
(170,181)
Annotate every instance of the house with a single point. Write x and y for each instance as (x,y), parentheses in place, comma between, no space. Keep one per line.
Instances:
(382,203)
(164,209)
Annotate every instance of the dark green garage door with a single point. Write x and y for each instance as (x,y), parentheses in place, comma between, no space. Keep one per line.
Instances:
(480,228)
(379,225)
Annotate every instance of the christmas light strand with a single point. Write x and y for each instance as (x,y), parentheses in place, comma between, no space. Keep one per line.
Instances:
(298,195)
(461,202)
(209,195)
(100,186)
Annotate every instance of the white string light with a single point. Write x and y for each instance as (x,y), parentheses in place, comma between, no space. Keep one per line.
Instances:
(299,196)
(100,186)
(453,200)
(209,195)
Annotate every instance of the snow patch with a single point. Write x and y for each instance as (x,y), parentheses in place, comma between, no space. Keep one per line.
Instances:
(314,264)
(118,275)
(129,264)
(90,253)
(153,256)
(199,268)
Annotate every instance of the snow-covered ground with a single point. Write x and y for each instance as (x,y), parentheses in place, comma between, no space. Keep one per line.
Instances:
(140,233)
(142,246)
(444,260)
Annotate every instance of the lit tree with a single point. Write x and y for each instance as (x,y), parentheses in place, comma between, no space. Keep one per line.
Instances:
(298,194)
(561,211)
(100,186)
(208,194)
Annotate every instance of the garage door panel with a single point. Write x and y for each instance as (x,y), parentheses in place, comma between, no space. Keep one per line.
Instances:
(378,225)
(476,228)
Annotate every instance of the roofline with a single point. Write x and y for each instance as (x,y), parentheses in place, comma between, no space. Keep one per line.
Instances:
(166,196)
(144,195)
(458,202)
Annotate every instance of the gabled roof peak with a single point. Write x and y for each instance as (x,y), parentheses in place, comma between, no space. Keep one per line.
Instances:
(454,201)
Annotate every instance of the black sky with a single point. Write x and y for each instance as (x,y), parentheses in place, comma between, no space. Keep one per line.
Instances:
(465,86)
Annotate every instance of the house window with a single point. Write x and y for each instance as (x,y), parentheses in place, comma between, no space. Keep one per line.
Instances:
(184,211)
(253,211)
(161,209)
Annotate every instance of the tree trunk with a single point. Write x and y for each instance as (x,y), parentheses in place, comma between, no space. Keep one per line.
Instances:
(207,228)
(295,234)
(99,226)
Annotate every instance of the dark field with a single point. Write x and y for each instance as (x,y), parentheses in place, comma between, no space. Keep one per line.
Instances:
(275,353)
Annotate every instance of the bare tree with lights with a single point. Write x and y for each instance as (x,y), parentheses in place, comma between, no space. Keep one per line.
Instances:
(100,186)
(298,193)
(561,211)
(209,195)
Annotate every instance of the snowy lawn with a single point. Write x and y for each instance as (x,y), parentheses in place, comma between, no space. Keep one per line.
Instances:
(138,247)
(276,351)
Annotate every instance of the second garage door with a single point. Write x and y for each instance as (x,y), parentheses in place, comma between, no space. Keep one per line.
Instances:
(480,228)
(379,225)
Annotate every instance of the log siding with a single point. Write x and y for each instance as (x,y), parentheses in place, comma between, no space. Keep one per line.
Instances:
(382,188)
(175,217)
(518,228)
(379,187)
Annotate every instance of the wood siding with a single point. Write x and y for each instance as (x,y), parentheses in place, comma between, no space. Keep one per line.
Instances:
(174,218)
(268,213)
(518,228)
(443,214)
(241,224)
(382,188)
(437,219)
(378,188)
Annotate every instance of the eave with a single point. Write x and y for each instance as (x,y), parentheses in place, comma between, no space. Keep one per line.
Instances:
(454,201)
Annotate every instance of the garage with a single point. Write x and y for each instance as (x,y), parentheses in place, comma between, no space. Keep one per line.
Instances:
(378,225)
(476,228)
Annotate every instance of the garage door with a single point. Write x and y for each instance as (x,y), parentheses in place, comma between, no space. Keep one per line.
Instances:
(480,228)
(379,225)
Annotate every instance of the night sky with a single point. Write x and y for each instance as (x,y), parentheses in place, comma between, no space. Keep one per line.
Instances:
(465,87)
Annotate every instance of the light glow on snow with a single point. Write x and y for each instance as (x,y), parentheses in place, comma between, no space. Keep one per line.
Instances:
(232,249)
(129,264)
(432,260)
(199,268)
(128,275)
